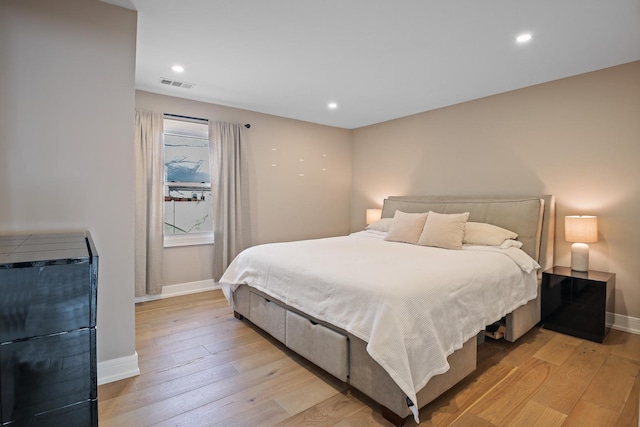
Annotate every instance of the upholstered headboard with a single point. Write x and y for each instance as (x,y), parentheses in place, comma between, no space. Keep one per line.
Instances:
(531,217)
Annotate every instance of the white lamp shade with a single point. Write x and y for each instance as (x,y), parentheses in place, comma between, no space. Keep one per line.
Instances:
(373,215)
(581,228)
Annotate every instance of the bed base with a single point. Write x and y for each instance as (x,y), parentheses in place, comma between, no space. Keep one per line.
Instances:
(361,371)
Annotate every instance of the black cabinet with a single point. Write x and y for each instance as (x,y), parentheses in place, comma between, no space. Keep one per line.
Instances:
(576,303)
(48,295)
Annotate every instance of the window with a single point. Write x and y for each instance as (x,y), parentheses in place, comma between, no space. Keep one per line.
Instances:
(188,213)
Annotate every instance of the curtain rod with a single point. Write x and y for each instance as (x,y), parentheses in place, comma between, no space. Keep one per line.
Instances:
(247,125)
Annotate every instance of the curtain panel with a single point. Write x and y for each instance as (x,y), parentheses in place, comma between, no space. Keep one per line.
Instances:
(149,203)
(229,186)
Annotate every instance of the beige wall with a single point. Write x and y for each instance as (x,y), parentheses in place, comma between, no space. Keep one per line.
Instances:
(66,153)
(577,138)
(284,205)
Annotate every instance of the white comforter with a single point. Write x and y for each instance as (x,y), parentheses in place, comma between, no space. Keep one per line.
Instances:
(414,305)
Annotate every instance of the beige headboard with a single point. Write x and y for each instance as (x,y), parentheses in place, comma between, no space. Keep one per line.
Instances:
(532,217)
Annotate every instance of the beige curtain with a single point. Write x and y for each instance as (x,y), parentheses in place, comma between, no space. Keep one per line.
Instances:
(229,186)
(149,203)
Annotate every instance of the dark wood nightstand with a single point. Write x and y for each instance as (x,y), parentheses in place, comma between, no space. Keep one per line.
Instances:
(576,303)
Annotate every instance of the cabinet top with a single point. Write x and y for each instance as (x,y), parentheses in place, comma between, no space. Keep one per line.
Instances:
(600,276)
(27,250)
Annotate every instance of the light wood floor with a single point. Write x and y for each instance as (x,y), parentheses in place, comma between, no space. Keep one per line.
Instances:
(202,367)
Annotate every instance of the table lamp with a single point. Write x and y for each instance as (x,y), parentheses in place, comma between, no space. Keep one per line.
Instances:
(580,230)
(373,215)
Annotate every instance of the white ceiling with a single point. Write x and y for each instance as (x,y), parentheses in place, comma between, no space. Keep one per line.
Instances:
(378,59)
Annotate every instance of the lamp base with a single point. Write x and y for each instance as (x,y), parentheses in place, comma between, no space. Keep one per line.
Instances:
(580,257)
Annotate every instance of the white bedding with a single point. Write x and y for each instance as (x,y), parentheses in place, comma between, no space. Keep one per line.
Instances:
(413,305)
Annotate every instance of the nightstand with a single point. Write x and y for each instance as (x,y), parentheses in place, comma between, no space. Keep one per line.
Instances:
(576,303)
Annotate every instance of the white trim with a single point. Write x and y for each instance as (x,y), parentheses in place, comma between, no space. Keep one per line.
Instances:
(625,323)
(169,291)
(189,288)
(125,367)
(190,239)
(118,369)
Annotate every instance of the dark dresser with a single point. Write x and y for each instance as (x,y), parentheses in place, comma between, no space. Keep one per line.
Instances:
(48,295)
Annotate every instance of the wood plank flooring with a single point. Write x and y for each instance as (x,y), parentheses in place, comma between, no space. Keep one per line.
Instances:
(202,367)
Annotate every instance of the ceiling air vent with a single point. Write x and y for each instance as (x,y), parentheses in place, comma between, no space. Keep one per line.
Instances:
(175,83)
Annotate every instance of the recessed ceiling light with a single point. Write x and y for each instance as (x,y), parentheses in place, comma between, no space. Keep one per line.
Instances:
(178,68)
(332,105)
(523,38)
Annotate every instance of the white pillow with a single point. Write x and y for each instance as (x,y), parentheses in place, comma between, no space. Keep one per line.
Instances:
(509,243)
(381,225)
(479,233)
(444,230)
(406,227)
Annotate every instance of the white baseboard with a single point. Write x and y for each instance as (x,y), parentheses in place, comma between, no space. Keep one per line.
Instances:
(125,367)
(118,369)
(169,291)
(188,288)
(625,323)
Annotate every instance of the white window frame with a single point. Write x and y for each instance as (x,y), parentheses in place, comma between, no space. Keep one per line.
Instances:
(196,238)
(191,239)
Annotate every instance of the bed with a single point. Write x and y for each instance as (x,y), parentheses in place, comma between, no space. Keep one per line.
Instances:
(399,321)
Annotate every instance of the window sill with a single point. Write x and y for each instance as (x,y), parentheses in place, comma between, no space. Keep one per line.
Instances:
(176,240)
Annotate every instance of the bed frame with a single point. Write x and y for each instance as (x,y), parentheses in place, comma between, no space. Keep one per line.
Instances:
(344,355)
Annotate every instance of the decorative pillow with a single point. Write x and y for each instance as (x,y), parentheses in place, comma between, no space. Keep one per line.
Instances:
(479,233)
(381,225)
(444,230)
(406,227)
